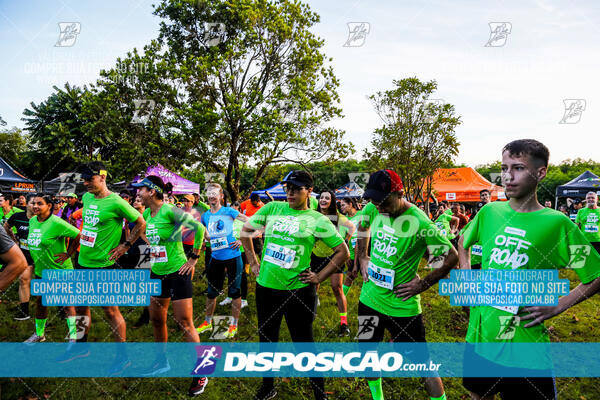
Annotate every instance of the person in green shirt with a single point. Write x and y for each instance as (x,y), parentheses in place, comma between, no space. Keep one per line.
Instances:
(48,249)
(588,220)
(321,255)
(349,206)
(446,222)
(286,287)
(102,224)
(164,223)
(7,209)
(522,234)
(400,235)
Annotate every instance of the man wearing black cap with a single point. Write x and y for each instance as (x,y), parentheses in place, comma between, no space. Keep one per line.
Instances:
(103,214)
(400,236)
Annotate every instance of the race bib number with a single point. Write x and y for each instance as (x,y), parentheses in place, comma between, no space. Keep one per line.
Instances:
(353,242)
(280,256)
(591,228)
(23,244)
(510,309)
(382,277)
(158,254)
(219,243)
(88,238)
(477,250)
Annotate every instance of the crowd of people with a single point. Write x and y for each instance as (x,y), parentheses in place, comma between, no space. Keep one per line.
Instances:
(294,246)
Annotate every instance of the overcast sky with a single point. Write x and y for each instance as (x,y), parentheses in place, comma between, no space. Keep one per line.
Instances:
(512,88)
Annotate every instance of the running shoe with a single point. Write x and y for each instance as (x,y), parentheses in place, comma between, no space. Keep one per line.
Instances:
(74,351)
(158,367)
(118,366)
(231,332)
(204,327)
(265,393)
(20,315)
(226,301)
(197,386)
(35,339)
(344,330)
(244,303)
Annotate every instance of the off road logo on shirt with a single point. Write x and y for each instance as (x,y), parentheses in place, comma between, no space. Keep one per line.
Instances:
(385,241)
(288,225)
(592,219)
(508,251)
(91,217)
(152,234)
(578,254)
(34,238)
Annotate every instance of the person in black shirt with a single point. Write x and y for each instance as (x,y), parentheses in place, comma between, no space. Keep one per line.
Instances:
(20,221)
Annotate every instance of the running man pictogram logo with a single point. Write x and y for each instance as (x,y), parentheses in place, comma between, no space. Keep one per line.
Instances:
(221,326)
(508,324)
(578,255)
(207,359)
(366,326)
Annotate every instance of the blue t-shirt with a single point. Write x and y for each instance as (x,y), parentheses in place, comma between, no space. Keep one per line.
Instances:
(219,226)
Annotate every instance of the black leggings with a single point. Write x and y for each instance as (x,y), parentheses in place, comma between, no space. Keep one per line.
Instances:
(299,307)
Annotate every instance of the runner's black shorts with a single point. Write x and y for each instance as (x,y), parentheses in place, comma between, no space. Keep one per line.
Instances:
(174,285)
(401,329)
(539,388)
(216,277)
(318,263)
(27,256)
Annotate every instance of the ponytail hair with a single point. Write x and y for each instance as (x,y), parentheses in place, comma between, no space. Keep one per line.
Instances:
(167,188)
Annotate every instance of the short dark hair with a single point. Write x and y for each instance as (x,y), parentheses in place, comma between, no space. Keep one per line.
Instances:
(166,187)
(538,152)
(254,197)
(482,191)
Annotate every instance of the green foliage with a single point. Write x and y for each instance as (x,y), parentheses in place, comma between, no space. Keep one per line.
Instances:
(417,136)
(13,144)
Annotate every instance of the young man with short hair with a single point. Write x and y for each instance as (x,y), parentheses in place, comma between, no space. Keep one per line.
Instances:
(391,284)
(522,234)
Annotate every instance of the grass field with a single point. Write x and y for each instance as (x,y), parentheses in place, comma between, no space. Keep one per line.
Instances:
(443,323)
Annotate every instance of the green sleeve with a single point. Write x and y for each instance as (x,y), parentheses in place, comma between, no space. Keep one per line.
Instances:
(181,219)
(578,217)
(368,215)
(326,231)
(66,229)
(125,210)
(259,219)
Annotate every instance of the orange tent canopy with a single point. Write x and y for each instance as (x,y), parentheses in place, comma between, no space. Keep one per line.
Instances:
(462,184)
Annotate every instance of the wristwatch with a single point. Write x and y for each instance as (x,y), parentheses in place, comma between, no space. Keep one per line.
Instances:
(194,256)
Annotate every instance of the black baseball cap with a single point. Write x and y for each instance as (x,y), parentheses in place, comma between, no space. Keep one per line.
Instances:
(381,184)
(299,178)
(90,169)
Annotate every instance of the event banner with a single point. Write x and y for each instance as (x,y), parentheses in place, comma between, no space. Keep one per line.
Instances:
(224,359)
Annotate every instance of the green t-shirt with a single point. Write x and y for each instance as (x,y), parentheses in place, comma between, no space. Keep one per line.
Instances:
(201,207)
(102,224)
(4,218)
(443,224)
(321,249)
(475,249)
(590,223)
(543,239)
(290,236)
(353,239)
(237,231)
(46,239)
(397,247)
(164,234)
(314,203)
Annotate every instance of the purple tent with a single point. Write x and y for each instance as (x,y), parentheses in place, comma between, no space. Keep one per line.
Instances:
(180,185)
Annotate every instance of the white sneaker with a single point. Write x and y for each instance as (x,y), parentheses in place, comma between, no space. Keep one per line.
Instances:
(35,339)
(226,301)
(318,301)
(244,303)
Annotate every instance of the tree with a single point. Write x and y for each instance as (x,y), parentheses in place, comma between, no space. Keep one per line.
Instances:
(417,136)
(13,144)
(235,83)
